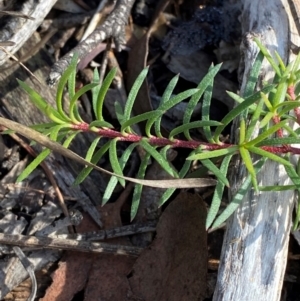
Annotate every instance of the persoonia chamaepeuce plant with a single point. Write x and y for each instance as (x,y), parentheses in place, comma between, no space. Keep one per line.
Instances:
(266,112)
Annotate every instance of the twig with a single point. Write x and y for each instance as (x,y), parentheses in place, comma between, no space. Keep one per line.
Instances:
(112,27)
(67,244)
(111,233)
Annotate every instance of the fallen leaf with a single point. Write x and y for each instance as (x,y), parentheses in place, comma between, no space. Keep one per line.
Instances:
(174,267)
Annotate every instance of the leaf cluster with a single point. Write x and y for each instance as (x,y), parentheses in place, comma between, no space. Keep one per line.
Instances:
(262,117)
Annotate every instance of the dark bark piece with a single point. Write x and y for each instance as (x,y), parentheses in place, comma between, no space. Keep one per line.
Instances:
(255,245)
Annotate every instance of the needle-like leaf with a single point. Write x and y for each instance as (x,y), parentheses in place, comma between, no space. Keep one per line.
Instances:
(137,192)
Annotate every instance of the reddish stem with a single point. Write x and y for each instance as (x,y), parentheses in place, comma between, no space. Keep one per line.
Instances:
(176,143)
(291,93)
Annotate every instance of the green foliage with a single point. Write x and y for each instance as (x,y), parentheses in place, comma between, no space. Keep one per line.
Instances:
(262,116)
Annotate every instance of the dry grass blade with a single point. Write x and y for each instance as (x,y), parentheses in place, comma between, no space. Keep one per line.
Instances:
(54,146)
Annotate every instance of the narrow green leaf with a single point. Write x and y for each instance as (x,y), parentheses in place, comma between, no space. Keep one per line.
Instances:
(295,64)
(269,155)
(164,151)
(214,154)
(287,106)
(294,176)
(133,93)
(206,83)
(280,62)
(98,106)
(119,112)
(242,130)
(237,98)
(291,172)
(290,131)
(72,83)
(254,74)
(239,109)
(56,129)
(206,113)
(166,96)
(139,118)
(268,56)
(100,124)
(114,161)
(95,90)
(254,120)
(297,217)
(73,112)
(279,141)
(216,171)
(158,157)
(61,85)
(33,165)
(87,170)
(70,138)
(192,125)
(238,198)
(168,105)
(281,91)
(218,194)
(54,116)
(91,150)
(264,122)
(137,192)
(249,165)
(267,133)
(114,180)
(277,188)
(267,102)
(35,97)
(42,126)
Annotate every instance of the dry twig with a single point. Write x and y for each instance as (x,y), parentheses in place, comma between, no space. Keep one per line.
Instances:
(112,27)
(67,244)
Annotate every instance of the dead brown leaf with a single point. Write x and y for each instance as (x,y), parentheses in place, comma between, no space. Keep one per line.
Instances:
(174,267)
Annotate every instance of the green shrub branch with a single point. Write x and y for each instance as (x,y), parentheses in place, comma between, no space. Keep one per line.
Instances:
(266,130)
